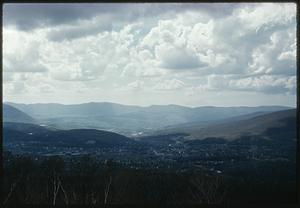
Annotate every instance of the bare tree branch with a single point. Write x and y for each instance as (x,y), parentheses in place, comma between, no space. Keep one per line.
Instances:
(64,192)
(12,188)
(106,191)
(56,185)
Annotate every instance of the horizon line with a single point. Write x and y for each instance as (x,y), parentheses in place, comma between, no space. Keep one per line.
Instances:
(145,106)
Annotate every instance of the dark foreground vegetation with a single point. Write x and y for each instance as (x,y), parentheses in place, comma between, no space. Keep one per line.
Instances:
(245,160)
(85,180)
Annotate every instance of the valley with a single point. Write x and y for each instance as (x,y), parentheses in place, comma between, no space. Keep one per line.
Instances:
(212,146)
(247,147)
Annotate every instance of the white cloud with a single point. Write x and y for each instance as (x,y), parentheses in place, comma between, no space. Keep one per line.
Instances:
(245,49)
(136,85)
(15,88)
(175,44)
(287,55)
(171,57)
(257,17)
(21,52)
(217,82)
(81,29)
(172,84)
(271,58)
(266,83)
(46,88)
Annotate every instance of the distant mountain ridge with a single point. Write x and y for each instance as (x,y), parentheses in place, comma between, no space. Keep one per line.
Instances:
(257,125)
(273,128)
(16,132)
(41,110)
(12,114)
(129,120)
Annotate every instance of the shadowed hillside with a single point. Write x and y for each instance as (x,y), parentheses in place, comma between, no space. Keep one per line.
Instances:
(231,130)
(13,132)
(12,114)
(131,120)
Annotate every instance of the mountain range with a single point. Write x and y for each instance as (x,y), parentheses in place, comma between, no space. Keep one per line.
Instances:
(81,138)
(129,120)
(231,129)
(34,123)
(12,114)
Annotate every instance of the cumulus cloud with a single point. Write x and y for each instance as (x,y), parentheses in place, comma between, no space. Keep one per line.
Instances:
(82,28)
(136,85)
(273,84)
(31,15)
(15,88)
(169,41)
(150,47)
(46,88)
(172,84)
(272,58)
(256,17)
(8,76)
(21,53)
(177,58)
(266,83)
(23,64)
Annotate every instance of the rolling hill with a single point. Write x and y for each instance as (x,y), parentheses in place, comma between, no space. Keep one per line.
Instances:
(190,126)
(16,132)
(25,127)
(130,120)
(281,122)
(12,114)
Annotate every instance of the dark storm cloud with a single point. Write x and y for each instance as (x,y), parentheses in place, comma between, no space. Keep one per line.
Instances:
(77,31)
(33,15)
(30,16)
(113,51)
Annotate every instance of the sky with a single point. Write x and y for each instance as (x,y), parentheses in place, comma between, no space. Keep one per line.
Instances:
(191,54)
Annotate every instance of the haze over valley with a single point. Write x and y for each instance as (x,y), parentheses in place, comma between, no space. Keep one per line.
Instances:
(148,103)
(97,125)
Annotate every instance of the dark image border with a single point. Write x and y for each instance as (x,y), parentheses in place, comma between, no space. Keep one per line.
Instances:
(164,1)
